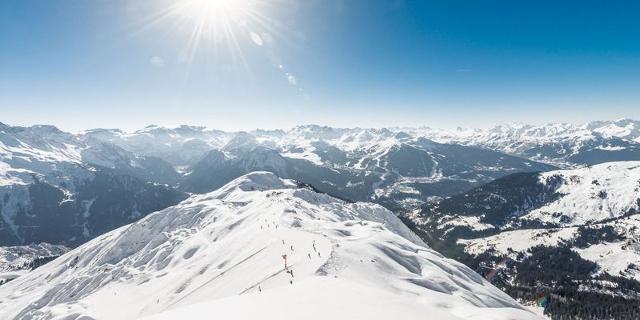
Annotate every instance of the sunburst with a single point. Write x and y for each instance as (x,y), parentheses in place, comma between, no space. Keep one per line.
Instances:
(215,24)
(225,26)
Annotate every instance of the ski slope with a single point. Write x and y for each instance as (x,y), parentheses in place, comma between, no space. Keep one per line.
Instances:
(222,254)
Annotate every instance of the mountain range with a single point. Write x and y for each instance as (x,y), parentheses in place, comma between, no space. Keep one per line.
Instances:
(501,200)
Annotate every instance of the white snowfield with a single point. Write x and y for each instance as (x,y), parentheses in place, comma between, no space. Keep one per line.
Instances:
(616,258)
(592,194)
(222,255)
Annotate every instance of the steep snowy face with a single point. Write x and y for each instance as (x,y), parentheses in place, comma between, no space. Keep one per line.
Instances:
(257,246)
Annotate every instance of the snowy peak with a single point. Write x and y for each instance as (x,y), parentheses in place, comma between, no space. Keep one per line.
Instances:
(257,241)
(256,181)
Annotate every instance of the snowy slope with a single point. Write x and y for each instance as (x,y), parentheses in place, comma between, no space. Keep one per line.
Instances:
(560,198)
(222,253)
(616,256)
(591,194)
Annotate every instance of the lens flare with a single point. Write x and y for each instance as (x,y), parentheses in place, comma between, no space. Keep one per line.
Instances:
(220,29)
(215,13)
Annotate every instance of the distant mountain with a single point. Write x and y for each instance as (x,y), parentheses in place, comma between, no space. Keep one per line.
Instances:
(26,257)
(181,146)
(387,166)
(560,144)
(58,188)
(573,234)
(259,247)
(398,168)
(397,173)
(18,260)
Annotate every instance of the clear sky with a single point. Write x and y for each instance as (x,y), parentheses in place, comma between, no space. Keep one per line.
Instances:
(244,64)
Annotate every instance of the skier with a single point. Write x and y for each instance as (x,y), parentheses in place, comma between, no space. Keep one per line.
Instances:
(309,254)
(291,247)
(284,256)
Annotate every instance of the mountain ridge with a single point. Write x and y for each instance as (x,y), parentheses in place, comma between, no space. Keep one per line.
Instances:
(231,243)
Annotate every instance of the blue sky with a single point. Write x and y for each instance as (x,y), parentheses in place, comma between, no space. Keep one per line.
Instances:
(120,63)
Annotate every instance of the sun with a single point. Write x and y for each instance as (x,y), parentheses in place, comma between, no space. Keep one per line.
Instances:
(212,12)
(221,31)
(215,24)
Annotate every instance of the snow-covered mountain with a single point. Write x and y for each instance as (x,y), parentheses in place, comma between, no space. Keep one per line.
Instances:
(587,219)
(561,144)
(399,168)
(67,188)
(259,247)
(18,260)
(387,166)
(26,257)
(60,188)
(181,146)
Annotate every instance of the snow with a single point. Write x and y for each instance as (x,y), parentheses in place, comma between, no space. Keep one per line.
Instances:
(471,222)
(519,240)
(348,300)
(10,176)
(6,276)
(592,194)
(14,258)
(307,154)
(614,258)
(222,252)
(565,138)
(611,148)
(617,257)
